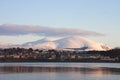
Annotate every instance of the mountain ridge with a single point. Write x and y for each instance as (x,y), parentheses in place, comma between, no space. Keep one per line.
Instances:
(67,42)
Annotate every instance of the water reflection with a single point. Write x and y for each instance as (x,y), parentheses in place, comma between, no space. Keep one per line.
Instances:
(80,70)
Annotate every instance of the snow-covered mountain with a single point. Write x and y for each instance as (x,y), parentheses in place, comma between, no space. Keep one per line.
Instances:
(72,42)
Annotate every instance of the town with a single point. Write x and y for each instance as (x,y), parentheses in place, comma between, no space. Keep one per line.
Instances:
(54,55)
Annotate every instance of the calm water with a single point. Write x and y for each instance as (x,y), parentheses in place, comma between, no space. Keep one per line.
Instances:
(59,71)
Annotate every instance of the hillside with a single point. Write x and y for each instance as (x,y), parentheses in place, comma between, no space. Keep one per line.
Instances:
(67,42)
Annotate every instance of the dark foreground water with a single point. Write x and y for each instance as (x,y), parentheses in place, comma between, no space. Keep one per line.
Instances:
(59,71)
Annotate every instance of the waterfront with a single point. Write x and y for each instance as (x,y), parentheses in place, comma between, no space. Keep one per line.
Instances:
(59,71)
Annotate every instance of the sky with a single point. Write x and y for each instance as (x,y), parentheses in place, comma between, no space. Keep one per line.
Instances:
(96,16)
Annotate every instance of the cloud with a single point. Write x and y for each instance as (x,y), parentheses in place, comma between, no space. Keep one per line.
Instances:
(13,29)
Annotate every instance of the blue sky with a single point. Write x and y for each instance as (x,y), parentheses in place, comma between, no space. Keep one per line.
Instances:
(102,16)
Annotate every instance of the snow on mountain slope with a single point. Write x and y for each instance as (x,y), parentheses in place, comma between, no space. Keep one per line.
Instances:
(42,43)
(67,42)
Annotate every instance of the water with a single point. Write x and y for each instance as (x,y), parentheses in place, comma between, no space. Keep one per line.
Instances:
(59,71)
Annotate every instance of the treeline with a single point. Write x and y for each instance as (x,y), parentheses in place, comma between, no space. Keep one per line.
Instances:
(54,55)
